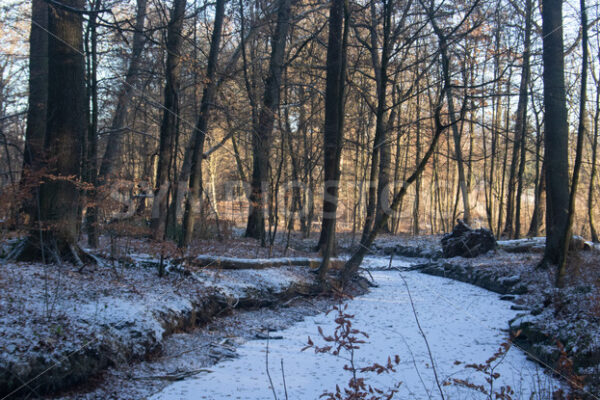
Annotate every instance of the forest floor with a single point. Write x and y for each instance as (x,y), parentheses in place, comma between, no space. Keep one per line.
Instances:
(122,316)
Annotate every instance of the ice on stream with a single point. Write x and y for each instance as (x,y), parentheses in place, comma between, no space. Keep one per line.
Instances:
(462,323)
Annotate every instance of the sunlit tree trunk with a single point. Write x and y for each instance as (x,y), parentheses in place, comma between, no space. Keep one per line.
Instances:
(334,115)
(199,135)
(566,235)
(521,120)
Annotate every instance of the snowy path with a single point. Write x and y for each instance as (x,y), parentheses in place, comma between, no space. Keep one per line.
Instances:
(462,323)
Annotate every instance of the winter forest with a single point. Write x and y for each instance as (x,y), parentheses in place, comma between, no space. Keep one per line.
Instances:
(299,199)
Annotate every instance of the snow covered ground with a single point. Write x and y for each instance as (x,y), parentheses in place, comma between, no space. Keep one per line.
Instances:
(463,324)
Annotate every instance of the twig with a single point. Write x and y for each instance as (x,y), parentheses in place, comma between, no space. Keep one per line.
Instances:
(412,304)
(284,384)
(185,352)
(267,368)
(175,376)
(414,362)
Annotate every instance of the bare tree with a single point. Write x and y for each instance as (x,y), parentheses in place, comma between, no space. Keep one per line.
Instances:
(565,239)
(556,132)
(168,127)
(332,131)
(59,193)
(118,125)
(261,137)
(208,95)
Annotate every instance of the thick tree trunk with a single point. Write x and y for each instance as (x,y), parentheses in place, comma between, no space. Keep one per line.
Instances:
(557,130)
(195,182)
(334,115)
(261,139)
(168,127)
(35,133)
(59,193)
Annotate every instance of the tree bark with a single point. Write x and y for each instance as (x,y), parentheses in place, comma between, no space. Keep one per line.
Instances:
(462,179)
(334,116)
(516,172)
(566,236)
(90,167)
(118,125)
(59,193)
(590,199)
(195,181)
(556,132)
(35,132)
(261,139)
(168,127)
(521,121)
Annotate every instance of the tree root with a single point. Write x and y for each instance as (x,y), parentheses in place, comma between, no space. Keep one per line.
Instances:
(51,250)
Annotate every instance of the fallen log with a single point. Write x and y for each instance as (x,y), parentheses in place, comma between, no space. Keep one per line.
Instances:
(529,245)
(208,261)
(538,244)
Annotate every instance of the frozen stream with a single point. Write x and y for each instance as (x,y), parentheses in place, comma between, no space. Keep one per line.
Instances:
(462,323)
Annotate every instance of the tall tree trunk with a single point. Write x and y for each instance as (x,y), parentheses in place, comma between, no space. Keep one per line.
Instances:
(416,205)
(521,121)
(117,127)
(462,179)
(385,158)
(168,127)
(562,261)
(195,182)
(261,138)
(590,199)
(334,115)
(515,171)
(35,132)
(379,64)
(91,152)
(556,136)
(59,194)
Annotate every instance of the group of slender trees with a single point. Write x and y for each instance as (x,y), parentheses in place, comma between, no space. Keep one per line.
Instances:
(432,110)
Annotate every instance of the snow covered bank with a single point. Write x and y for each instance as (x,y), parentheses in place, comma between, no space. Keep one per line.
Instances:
(58,327)
(490,280)
(462,323)
(548,316)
